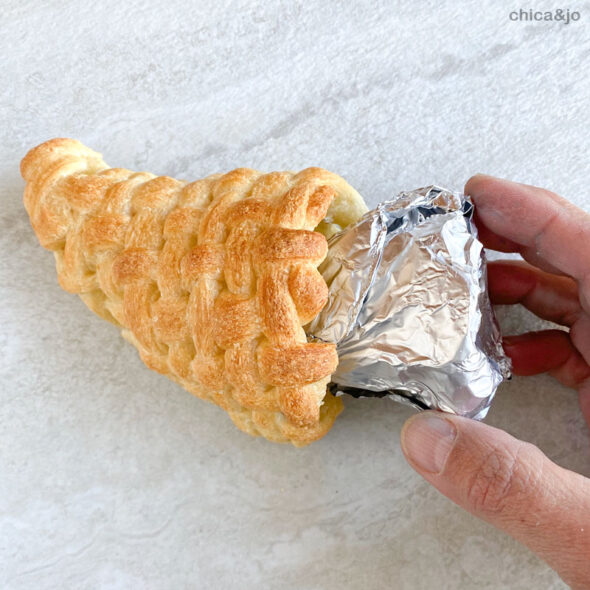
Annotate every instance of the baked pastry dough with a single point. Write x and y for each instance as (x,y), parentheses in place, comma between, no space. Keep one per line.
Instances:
(211,280)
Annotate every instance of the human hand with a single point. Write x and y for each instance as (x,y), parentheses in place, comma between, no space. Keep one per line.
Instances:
(509,483)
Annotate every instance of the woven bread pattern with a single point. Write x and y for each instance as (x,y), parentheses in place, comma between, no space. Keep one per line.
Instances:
(211,280)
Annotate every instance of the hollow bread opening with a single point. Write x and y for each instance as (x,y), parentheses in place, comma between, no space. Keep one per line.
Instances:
(346,208)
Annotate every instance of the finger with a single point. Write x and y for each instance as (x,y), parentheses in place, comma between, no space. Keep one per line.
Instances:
(508,483)
(544,224)
(493,241)
(490,239)
(551,297)
(548,351)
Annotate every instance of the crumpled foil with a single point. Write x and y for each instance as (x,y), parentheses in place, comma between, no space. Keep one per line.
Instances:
(408,306)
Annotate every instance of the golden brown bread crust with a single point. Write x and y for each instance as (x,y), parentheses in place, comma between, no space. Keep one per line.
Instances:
(212,280)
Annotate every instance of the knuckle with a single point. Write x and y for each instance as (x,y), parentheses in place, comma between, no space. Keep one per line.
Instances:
(501,481)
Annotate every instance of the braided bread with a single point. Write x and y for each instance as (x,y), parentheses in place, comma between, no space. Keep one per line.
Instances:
(211,280)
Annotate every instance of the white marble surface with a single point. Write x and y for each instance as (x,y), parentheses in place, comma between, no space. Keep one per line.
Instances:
(113,477)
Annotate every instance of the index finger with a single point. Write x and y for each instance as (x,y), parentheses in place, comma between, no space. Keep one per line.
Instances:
(538,220)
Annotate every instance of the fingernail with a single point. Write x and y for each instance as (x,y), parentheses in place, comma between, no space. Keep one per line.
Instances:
(471,184)
(478,176)
(427,440)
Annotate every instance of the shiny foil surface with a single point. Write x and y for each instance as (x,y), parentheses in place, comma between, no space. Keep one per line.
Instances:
(408,306)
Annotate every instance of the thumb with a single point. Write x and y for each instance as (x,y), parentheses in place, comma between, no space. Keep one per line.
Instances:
(509,483)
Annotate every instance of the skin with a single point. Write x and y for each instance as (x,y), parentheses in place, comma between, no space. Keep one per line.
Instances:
(509,483)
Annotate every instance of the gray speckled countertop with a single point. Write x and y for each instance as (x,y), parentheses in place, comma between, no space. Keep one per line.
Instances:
(111,476)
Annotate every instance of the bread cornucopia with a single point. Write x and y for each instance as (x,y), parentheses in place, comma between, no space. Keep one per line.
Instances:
(213,281)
